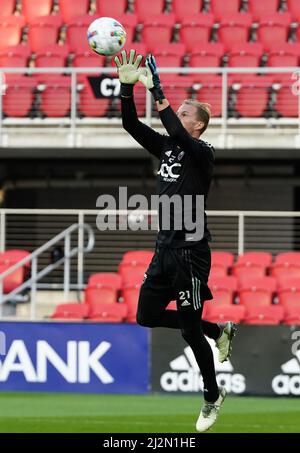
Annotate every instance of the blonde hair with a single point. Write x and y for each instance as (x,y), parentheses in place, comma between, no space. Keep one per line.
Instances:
(203,111)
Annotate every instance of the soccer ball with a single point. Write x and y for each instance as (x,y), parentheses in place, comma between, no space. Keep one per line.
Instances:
(106,36)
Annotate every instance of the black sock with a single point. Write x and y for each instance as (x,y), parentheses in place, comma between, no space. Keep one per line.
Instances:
(193,334)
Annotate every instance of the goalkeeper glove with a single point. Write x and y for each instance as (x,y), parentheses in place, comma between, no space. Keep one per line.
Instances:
(150,78)
(128,71)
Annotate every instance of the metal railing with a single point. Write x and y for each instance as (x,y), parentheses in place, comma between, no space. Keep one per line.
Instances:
(75,117)
(235,231)
(37,275)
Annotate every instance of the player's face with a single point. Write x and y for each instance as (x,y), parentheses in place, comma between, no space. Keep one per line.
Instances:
(188,117)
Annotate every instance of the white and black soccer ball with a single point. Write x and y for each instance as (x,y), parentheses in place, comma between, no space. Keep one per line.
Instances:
(106,36)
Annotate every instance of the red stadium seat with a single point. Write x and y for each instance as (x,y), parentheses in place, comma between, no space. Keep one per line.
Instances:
(102,294)
(72,8)
(169,55)
(196,28)
(138,256)
(260,9)
(263,259)
(88,59)
(244,271)
(102,312)
(43,32)
(13,256)
(292,316)
(107,279)
(206,55)
(109,8)
(289,299)
(10,30)
(286,103)
(89,106)
(132,274)
(224,259)
(7,7)
(52,56)
(252,265)
(269,315)
(223,289)
(288,258)
(286,264)
(234,29)
(139,47)
(257,291)
(222,313)
(211,93)
(253,96)
(56,98)
(245,55)
(144,9)
(220,8)
(33,8)
(220,263)
(13,280)
(19,96)
(76,36)
(294,9)
(177,90)
(157,30)
(273,29)
(15,56)
(284,55)
(71,311)
(183,8)
(289,292)
(172,305)
(131,297)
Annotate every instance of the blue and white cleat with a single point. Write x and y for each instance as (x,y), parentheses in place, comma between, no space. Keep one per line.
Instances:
(209,412)
(224,342)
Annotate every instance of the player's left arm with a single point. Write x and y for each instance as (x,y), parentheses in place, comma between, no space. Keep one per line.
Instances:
(171,122)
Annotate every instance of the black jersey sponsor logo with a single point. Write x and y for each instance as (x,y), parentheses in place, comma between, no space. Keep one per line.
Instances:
(169,173)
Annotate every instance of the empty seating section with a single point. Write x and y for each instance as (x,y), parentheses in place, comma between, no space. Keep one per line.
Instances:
(251,297)
(194,34)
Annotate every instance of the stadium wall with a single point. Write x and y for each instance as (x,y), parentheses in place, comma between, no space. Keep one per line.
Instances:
(110,358)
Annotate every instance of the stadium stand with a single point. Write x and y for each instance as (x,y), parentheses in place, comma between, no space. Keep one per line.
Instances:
(248,34)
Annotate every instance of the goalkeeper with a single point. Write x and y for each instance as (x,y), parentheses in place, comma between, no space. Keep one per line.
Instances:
(180,267)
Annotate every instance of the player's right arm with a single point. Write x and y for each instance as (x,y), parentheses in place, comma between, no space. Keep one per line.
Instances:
(129,75)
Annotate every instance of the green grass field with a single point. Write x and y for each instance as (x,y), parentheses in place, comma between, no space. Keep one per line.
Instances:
(69,413)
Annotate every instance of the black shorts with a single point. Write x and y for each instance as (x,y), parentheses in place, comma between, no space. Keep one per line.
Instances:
(180,274)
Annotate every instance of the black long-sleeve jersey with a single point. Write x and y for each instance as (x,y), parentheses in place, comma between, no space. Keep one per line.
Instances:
(186,167)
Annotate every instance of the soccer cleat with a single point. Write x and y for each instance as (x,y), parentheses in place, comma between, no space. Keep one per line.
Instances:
(223,343)
(209,412)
